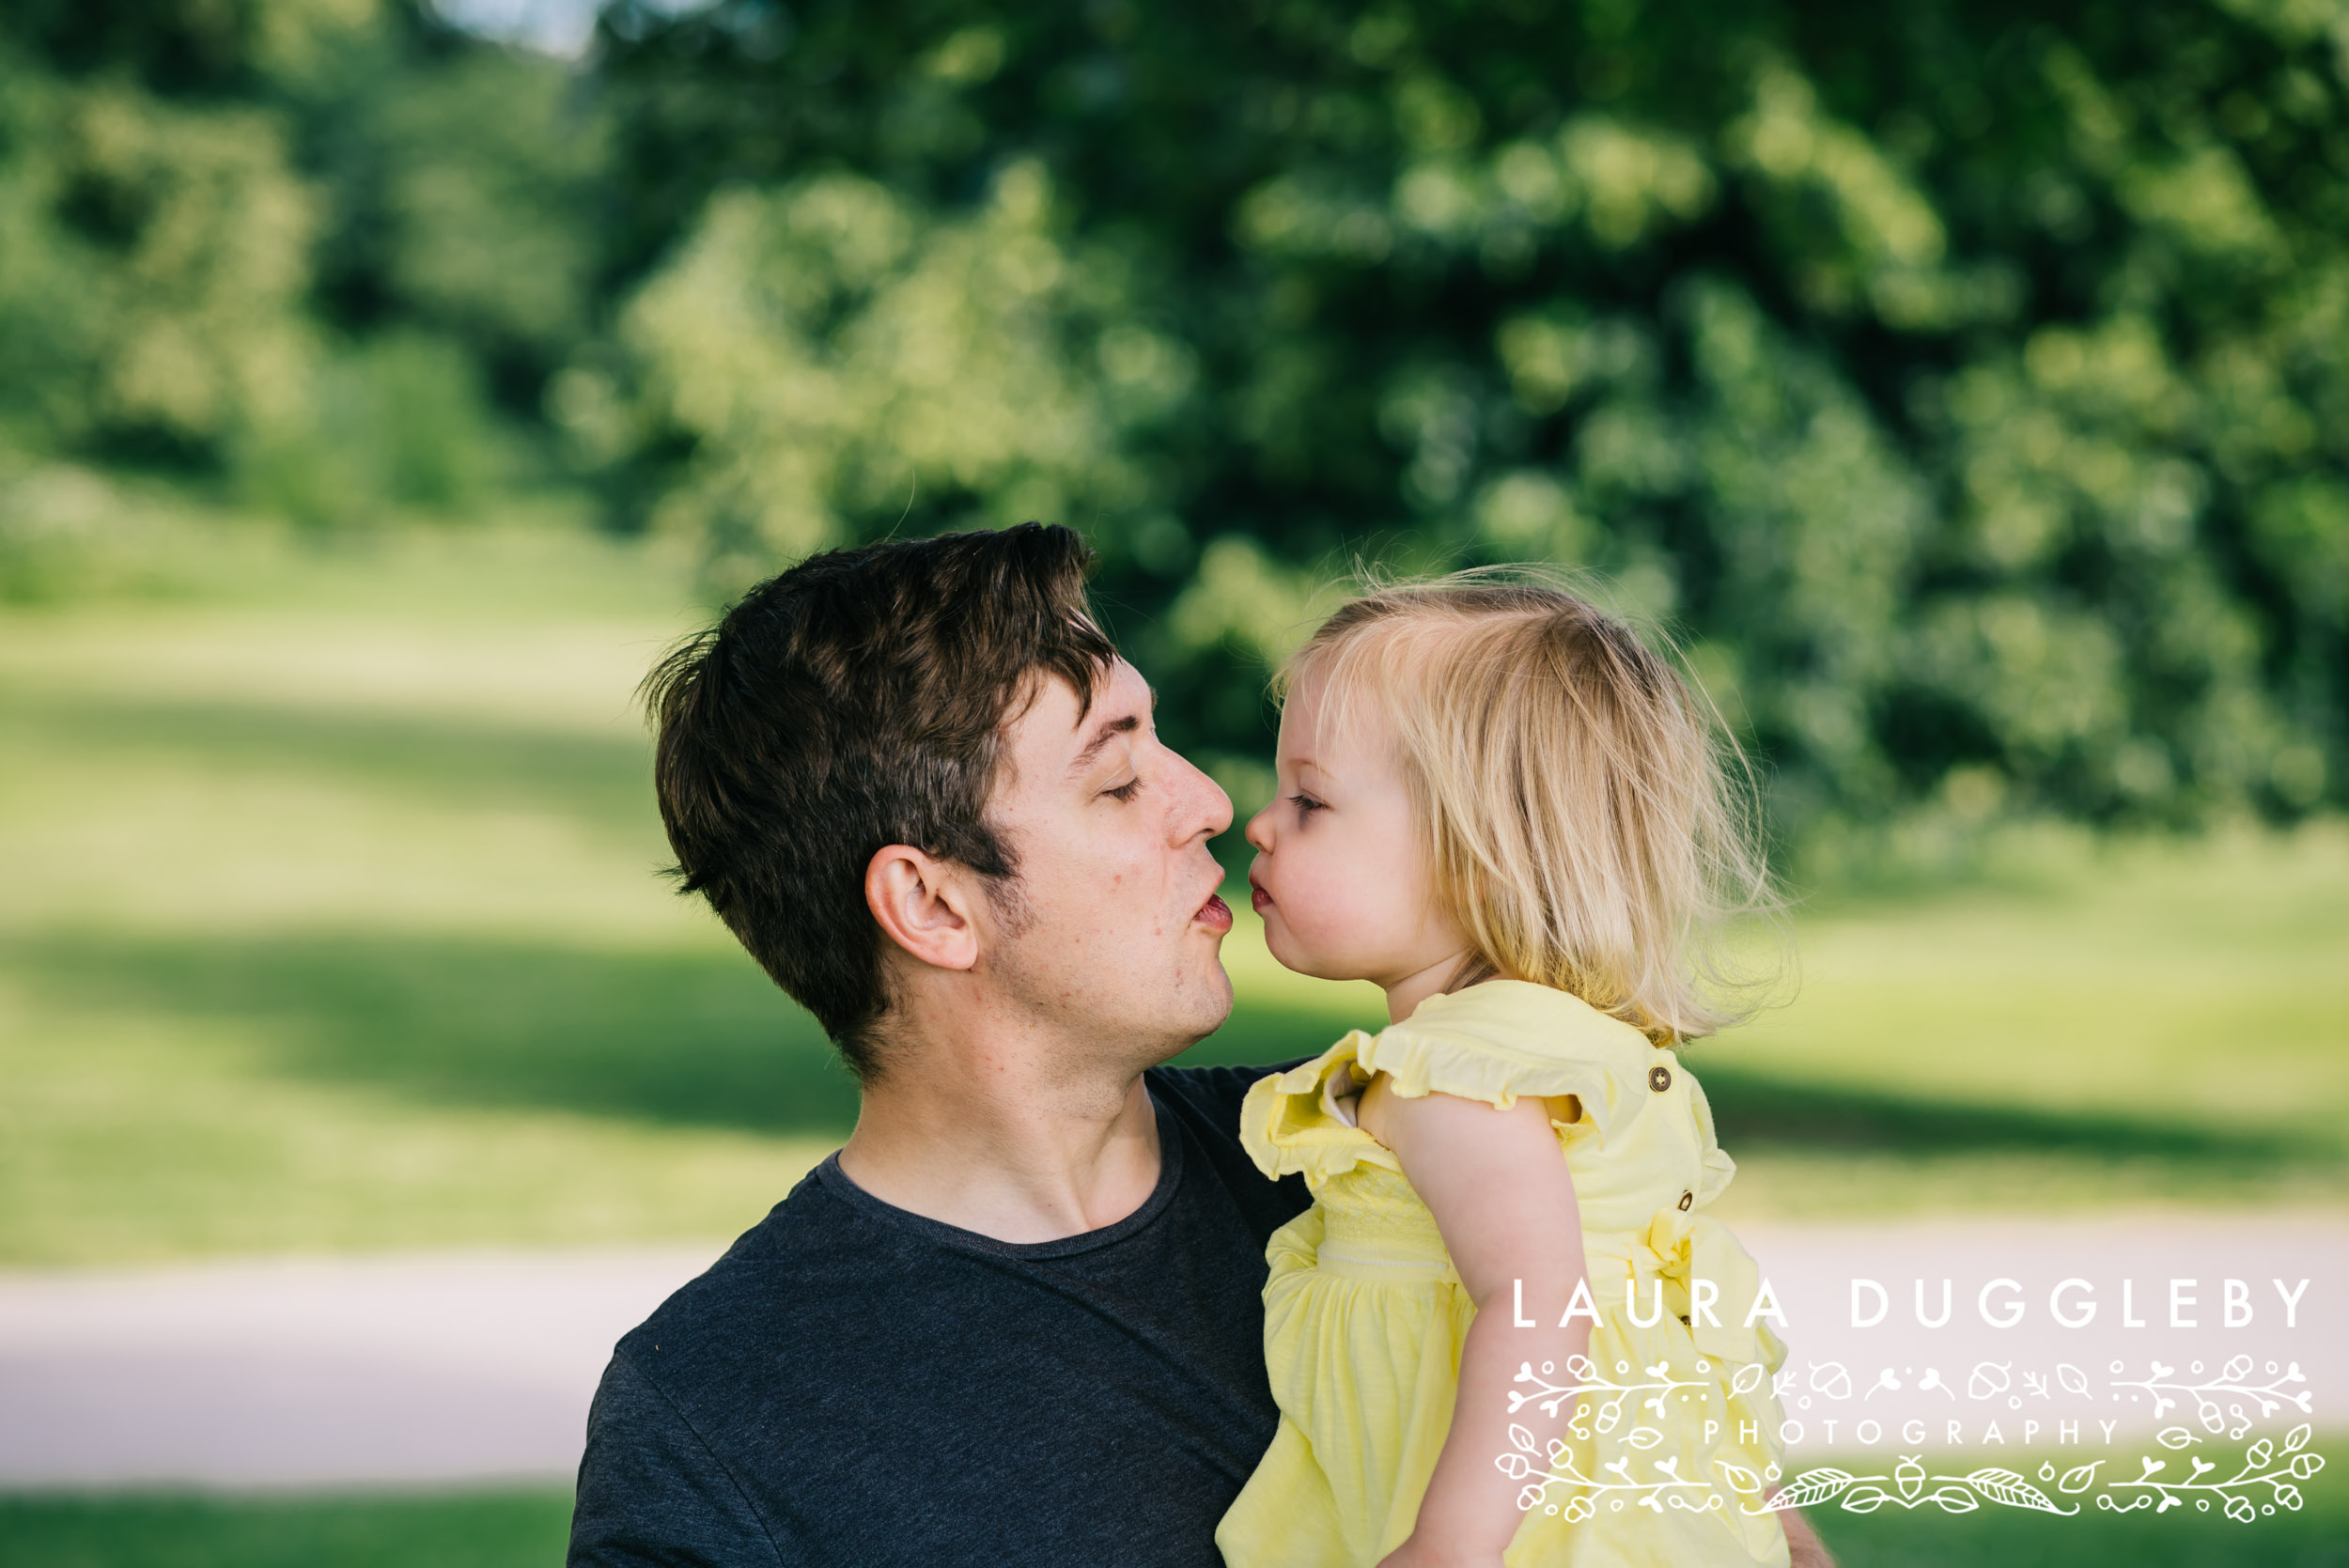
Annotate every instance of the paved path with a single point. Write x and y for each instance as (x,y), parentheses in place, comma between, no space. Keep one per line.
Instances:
(467,1367)
(2118,1360)
(397,1369)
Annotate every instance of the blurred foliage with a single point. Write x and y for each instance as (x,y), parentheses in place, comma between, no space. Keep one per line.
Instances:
(1966,385)
(326,251)
(1969,385)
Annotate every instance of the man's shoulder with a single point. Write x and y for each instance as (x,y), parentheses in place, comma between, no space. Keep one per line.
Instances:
(839,1345)
(1207,1101)
(1211,1094)
(776,1277)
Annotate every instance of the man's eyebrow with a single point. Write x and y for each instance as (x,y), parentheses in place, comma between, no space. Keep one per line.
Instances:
(1101,737)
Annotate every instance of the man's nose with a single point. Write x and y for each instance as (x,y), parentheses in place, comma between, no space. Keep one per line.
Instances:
(1213,806)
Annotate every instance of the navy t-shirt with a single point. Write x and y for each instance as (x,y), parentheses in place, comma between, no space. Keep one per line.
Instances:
(853,1384)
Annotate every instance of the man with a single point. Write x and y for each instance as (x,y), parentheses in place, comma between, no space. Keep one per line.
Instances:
(1016,1318)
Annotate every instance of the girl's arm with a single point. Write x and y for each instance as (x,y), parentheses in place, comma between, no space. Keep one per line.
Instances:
(1804,1549)
(1498,1186)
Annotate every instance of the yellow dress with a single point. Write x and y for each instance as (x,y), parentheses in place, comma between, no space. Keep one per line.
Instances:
(1675,1423)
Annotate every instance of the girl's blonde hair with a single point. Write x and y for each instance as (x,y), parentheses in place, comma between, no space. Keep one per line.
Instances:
(1575,791)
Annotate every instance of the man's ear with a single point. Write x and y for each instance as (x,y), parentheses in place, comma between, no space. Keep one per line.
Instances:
(923,905)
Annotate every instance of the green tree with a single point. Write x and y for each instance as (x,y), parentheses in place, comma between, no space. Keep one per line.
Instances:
(1967,383)
(329,250)
(154,248)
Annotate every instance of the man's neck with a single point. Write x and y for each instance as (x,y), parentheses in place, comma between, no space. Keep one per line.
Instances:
(975,1133)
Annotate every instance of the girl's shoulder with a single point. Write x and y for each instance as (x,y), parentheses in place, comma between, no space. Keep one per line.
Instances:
(1499,1042)
(1505,1039)
(1521,1019)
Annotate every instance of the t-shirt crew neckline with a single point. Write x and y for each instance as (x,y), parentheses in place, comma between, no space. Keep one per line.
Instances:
(838,1182)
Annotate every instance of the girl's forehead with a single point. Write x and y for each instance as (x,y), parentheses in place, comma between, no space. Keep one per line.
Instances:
(1328,724)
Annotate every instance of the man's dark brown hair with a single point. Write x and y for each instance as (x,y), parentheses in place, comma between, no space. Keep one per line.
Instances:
(855,701)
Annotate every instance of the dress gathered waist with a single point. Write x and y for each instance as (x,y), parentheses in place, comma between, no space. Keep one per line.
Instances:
(1675,1245)
(1382,1246)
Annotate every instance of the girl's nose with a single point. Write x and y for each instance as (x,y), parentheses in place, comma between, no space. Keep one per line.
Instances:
(1259,834)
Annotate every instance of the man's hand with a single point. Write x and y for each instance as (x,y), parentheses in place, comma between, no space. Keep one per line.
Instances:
(1804,1549)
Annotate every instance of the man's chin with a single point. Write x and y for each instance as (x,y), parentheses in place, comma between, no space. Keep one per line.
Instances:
(1211,1010)
(1220,999)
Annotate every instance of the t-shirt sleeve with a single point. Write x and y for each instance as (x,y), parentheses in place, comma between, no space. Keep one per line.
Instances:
(652,1492)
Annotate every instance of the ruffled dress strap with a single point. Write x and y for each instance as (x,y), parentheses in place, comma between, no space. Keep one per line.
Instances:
(1504,1040)
(1300,1122)
(1498,1042)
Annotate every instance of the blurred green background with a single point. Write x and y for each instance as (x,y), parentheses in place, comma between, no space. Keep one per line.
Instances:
(381,386)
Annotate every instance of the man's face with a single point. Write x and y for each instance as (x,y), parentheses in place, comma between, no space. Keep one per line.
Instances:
(1119,927)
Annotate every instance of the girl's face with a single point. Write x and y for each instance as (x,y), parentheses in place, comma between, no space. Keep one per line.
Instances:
(1341,877)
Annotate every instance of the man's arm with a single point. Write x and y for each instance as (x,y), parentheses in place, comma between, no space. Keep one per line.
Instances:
(651,1495)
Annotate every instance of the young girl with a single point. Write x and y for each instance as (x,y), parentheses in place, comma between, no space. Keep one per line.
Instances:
(1502,807)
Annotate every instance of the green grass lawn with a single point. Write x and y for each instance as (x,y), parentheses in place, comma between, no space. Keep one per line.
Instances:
(2316,1536)
(2114,1023)
(527,1530)
(330,919)
(2091,1025)
(483,1529)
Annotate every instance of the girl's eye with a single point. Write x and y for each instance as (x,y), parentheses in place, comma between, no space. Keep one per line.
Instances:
(1306,804)
(1127,790)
